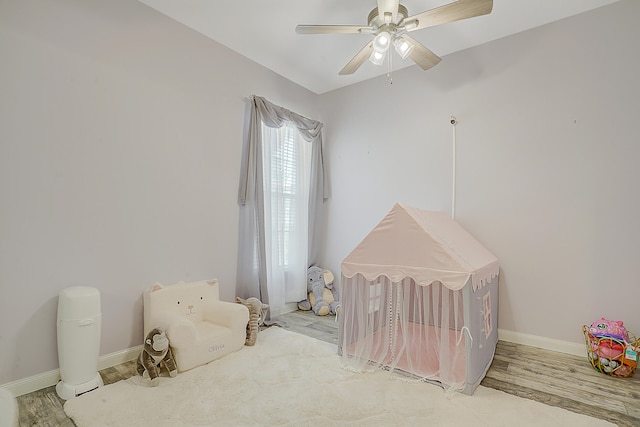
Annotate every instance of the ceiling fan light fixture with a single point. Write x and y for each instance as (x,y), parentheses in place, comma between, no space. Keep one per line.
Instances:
(377,57)
(381,42)
(403,47)
(390,22)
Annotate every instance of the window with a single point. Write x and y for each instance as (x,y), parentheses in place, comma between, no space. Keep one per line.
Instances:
(486,314)
(287,161)
(282,188)
(375,296)
(289,190)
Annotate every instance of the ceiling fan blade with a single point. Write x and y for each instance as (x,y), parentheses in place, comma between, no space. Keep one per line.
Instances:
(421,55)
(332,29)
(461,9)
(357,60)
(388,6)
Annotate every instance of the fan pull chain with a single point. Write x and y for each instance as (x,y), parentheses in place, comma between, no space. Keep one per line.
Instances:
(389,70)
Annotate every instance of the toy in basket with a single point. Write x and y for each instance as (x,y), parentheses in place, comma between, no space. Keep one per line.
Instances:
(611,349)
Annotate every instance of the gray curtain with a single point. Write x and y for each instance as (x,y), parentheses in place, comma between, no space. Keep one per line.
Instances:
(251,276)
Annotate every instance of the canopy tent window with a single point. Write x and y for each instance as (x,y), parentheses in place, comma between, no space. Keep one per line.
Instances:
(420,295)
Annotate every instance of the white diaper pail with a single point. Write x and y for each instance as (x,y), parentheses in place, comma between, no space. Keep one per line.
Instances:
(79,323)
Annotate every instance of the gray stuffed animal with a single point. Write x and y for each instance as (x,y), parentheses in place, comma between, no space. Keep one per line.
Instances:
(322,294)
(257,315)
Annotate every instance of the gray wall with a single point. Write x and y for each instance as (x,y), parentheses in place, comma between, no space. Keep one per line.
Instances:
(120,143)
(547,150)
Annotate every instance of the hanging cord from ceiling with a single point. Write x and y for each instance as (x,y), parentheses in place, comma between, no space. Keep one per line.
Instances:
(453,122)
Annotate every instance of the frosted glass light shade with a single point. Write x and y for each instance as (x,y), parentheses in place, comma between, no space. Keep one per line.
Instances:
(377,57)
(403,47)
(381,42)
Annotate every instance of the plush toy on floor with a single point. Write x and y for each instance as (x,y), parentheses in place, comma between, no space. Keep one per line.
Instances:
(257,314)
(155,354)
(321,292)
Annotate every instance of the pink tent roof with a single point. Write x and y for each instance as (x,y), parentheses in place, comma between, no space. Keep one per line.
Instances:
(425,245)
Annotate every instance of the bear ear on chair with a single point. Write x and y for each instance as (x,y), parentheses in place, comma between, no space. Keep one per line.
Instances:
(156,287)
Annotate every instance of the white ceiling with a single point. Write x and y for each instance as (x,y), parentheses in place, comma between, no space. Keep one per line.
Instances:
(264,31)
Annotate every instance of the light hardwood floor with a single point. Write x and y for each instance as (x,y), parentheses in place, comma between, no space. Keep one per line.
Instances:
(553,378)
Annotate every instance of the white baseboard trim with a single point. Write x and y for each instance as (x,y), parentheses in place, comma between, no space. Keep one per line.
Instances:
(47,379)
(119,357)
(33,383)
(542,342)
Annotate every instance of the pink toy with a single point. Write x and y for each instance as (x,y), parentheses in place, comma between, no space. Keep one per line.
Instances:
(610,349)
(609,329)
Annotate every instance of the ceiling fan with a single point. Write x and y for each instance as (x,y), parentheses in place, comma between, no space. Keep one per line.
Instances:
(390,22)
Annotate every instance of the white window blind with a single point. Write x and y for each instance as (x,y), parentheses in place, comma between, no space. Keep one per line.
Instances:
(285,175)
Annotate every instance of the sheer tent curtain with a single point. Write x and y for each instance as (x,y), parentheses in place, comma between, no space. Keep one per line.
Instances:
(403,326)
(282,187)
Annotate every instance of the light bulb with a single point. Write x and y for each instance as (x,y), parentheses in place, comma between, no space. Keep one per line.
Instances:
(377,57)
(403,47)
(381,42)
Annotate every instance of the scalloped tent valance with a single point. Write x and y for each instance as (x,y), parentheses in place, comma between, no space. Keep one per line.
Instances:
(426,246)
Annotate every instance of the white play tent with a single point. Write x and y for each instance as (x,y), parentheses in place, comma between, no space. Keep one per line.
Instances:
(420,295)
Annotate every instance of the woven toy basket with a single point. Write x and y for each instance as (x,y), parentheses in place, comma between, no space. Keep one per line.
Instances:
(612,356)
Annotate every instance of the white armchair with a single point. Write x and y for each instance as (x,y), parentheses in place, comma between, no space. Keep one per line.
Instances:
(200,327)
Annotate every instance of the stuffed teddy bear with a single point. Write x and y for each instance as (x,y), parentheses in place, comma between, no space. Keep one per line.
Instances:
(257,314)
(155,354)
(322,294)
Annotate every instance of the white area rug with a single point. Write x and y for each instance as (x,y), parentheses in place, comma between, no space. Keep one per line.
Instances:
(288,379)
